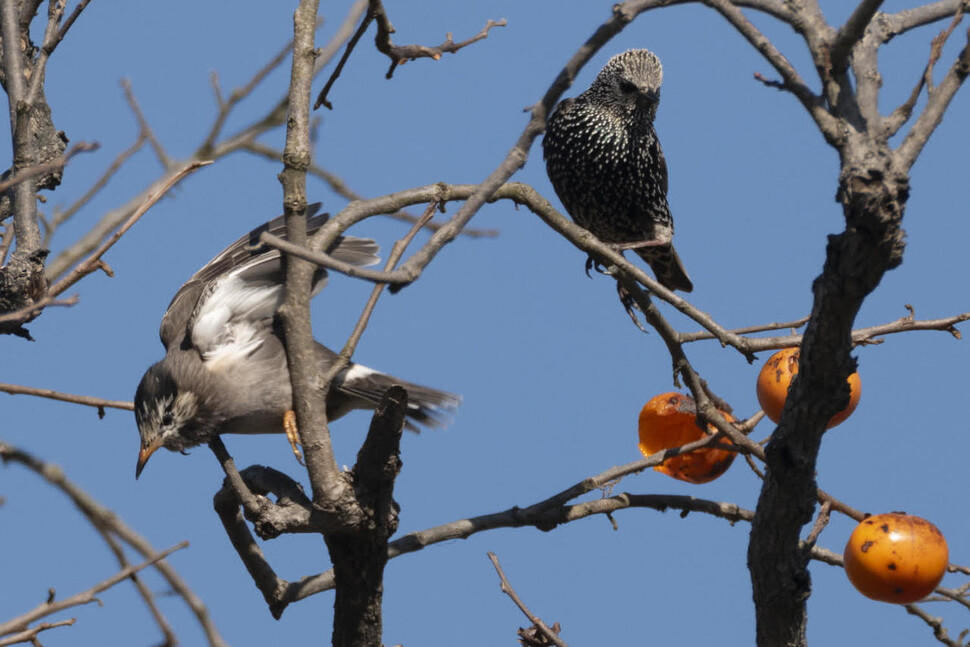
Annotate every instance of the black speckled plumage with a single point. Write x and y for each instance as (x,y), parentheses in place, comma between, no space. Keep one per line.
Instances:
(606,165)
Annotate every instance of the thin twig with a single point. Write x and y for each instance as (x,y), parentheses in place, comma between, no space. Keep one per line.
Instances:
(38,68)
(236,96)
(545,516)
(26,314)
(93,262)
(143,127)
(147,596)
(860,336)
(936,624)
(274,117)
(404,53)
(821,521)
(340,188)
(60,217)
(107,520)
(793,81)
(84,597)
(69,22)
(48,167)
(245,497)
(90,401)
(686,338)
(936,105)
(550,635)
(936,47)
(396,252)
(30,635)
(226,504)
(322,97)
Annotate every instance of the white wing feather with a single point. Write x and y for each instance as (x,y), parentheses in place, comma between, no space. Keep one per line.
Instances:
(231,315)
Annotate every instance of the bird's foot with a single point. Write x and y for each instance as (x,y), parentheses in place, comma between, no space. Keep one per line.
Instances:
(289,427)
(593,264)
(631,306)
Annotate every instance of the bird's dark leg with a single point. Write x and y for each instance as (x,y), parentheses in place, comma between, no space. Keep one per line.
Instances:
(292,435)
(631,307)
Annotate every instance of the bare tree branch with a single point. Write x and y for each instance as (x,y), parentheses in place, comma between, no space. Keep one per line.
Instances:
(351,44)
(25,208)
(793,82)
(30,635)
(227,504)
(936,105)
(86,400)
(42,169)
(94,262)
(552,636)
(329,489)
(852,31)
(908,19)
(39,71)
(936,624)
(860,336)
(106,521)
(29,312)
(226,106)
(398,54)
(397,251)
(243,496)
(85,597)
(69,23)
(546,518)
(60,217)
(170,639)
(519,193)
(163,157)
(273,118)
(340,188)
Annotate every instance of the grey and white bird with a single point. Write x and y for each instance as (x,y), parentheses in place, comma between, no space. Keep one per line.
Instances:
(606,165)
(225,368)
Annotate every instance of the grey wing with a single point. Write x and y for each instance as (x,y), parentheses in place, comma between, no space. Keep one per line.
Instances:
(244,283)
(357,251)
(175,322)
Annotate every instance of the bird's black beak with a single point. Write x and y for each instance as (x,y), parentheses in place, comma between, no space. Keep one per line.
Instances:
(144,454)
(649,97)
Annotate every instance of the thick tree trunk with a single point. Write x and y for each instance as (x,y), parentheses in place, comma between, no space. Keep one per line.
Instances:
(873,200)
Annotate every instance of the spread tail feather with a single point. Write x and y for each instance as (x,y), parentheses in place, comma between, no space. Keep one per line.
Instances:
(427,407)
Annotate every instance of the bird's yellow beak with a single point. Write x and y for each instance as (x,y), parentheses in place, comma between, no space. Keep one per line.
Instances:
(145,453)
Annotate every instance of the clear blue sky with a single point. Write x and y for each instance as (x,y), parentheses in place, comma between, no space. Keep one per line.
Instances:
(552,372)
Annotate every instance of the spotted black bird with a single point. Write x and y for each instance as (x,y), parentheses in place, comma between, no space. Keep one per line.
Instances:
(605,163)
(225,368)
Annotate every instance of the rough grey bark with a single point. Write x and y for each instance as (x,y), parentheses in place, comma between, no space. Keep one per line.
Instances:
(36,141)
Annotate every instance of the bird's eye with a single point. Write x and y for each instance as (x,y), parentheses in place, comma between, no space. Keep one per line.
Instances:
(167,419)
(627,88)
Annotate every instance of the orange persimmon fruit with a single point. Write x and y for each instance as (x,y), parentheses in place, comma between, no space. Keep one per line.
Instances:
(670,420)
(776,376)
(896,557)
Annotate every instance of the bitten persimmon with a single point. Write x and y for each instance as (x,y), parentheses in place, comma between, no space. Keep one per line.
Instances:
(670,420)
(776,376)
(896,557)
